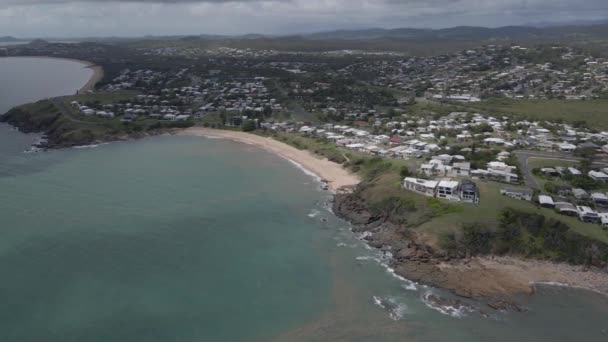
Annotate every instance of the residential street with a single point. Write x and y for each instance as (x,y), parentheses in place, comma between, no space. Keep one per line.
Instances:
(524,156)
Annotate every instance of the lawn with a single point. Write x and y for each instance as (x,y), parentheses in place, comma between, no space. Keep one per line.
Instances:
(592,112)
(487,211)
(104,97)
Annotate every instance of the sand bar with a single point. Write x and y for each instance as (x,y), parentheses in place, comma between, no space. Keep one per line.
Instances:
(336,176)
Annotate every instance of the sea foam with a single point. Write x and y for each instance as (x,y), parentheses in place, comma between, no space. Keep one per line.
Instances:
(448,310)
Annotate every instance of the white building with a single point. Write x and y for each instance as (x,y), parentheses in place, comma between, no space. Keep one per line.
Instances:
(546,201)
(447,189)
(423,186)
(586,214)
(598,176)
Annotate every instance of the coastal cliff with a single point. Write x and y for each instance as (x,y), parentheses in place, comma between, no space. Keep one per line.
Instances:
(495,277)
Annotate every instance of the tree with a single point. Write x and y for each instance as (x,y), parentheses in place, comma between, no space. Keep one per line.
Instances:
(405,172)
(249,126)
(477,239)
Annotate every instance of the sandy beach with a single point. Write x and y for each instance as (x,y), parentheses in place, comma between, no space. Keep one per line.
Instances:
(334,174)
(96,78)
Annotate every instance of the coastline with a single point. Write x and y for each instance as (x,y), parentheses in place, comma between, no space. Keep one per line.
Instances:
(334,174)
(97,76)
(94,79)
(500,282)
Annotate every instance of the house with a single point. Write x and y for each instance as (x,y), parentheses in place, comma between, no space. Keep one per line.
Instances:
(565,147)
(447,189)
(503,176)
(598,176)
(580,194)
(604,219)
(518,193)
(494,141)
(469,192)
(599,199)
(546,201)
(586,214)
(460,169)
(566,208)
(574,172)
(423,186)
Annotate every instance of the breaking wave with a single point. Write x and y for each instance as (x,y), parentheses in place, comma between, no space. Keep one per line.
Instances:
(449,310)
(396,310)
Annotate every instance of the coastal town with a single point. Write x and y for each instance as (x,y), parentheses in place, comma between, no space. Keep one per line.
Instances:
(387,105)
(450,146)
(304,170)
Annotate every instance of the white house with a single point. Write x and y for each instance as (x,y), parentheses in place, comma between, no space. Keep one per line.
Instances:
(447,189)
(546,201)
(586,214)
(565,147)
(599,176)
(423,186)
(460,169)
(574,172)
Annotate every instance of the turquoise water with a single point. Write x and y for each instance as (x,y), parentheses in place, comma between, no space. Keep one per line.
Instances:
(175,239)
(196,239)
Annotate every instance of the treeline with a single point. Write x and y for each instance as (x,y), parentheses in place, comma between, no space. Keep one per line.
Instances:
(527,234)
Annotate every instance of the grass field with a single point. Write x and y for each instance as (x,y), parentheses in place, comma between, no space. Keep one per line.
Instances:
(104,97)
(593,112)
(486,212)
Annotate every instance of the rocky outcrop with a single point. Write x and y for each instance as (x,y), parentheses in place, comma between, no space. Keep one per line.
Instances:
(413,259)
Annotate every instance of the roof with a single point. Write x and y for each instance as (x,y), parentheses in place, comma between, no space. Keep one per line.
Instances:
(597,174)
(423,182)
(519,191)
(564,206)
(585,210)
(448,184)
(468,185)
(543,199)
(599,196)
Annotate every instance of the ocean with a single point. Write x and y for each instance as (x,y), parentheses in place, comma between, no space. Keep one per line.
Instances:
(175,238)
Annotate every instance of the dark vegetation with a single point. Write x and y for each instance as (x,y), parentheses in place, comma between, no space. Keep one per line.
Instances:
(527,234)
(62,130)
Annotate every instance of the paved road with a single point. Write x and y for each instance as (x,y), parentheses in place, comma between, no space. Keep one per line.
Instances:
(58,102)
(524,157)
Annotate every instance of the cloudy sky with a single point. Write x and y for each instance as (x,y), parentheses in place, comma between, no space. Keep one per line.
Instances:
(77,18)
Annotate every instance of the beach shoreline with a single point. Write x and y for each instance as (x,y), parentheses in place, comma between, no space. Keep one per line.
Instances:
(94,79)
(334,174)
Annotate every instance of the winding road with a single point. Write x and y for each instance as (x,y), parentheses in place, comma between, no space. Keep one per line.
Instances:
(523,157)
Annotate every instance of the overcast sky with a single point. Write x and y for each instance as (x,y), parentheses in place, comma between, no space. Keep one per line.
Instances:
(77,18)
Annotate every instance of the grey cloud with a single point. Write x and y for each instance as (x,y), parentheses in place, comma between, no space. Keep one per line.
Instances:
(137,17)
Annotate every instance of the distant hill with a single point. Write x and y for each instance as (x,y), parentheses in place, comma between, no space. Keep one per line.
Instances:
(414,41)
(8,39)
(470,33)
